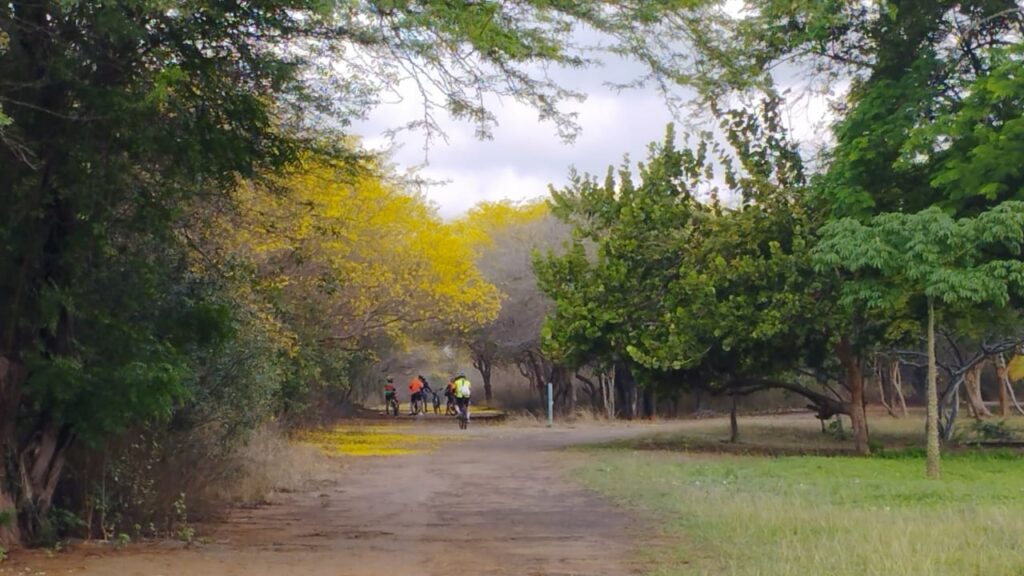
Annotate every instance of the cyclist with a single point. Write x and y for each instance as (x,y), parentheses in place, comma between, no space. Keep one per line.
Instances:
(449,395)
(426,385)
(416,395)
(427,392)
(389,392)
(463,390)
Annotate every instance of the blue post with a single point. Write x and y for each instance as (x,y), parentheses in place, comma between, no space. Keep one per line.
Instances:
(551,404)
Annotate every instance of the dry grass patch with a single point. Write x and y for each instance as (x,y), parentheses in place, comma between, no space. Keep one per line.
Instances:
(271,462)
(801,433)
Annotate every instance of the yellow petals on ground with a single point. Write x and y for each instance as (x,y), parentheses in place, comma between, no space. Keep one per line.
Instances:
(374,441)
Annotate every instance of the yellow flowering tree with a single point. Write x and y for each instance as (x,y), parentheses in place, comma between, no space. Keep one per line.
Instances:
(488,220)
(360,256)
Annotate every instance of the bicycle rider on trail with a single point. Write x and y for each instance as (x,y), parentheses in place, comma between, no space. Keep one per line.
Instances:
(463,390)
(449,392)
(416,395)
(389,391)
(426,386)
(427,391)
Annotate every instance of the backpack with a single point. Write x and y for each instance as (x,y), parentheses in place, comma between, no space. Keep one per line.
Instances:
(462,388)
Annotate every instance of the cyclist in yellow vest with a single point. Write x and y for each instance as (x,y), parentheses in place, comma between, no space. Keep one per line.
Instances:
(463,390)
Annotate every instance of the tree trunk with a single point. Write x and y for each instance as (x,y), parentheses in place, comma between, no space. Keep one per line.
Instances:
(896,380)
(608,390)
(649,401)
(538,371)
(1009,385)
(1013,397)
(734,429)
(932,422)
(879,377)
(1003,378)
(625,390)
(41,464)
(565,391)
(971,408)
(972,382)
(485,374)
(602,393)
(855,379)
(594,391)
(1004,404)
(573,400)
(12,376)
(483,361)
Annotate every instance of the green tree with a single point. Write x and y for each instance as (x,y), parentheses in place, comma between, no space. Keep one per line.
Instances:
(625,251)
(908,64)
(965,268)
(954,264)
(691,291)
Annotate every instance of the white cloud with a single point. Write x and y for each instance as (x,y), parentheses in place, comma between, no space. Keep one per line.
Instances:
(526,154)
(468,187)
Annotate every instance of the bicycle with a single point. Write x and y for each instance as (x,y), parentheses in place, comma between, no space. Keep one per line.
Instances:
(419,406)
(391,406)
(463,415)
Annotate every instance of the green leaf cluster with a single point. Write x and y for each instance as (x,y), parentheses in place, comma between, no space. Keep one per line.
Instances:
(666,276)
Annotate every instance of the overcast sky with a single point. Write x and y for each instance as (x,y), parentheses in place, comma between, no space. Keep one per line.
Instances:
(526,155)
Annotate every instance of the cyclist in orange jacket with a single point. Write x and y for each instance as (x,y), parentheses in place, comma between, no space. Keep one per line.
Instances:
(416,395)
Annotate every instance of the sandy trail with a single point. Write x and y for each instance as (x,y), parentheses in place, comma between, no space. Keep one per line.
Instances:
(500,504)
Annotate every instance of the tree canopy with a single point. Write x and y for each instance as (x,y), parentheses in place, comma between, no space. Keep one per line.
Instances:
(120,118)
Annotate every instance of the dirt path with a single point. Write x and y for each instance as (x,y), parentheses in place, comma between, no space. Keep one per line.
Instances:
(499,505)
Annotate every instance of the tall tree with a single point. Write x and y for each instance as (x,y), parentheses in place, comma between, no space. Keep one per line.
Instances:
(907,64)
(961,266)
(965,263)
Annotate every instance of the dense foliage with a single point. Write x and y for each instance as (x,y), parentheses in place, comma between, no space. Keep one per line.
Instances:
(128,126)
(191,245)
(777,280)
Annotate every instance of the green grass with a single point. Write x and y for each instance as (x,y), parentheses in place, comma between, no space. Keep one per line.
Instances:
(809,515)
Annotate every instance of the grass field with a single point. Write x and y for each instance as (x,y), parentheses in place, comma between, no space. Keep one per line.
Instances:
(797,515)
